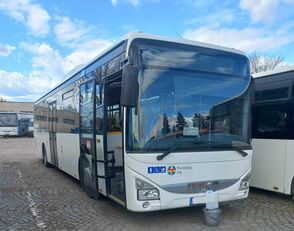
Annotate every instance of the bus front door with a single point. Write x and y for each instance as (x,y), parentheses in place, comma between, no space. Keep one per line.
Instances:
(113,144)
(87,166)
(52,132)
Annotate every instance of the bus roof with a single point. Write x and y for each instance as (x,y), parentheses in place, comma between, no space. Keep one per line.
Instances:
(274,72)
(134,35)
(130,37)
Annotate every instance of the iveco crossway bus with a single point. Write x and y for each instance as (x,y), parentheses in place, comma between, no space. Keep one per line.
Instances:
(152,123)
(273,131)
(14,124)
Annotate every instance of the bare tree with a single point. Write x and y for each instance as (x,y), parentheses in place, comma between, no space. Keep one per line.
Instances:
(262,62)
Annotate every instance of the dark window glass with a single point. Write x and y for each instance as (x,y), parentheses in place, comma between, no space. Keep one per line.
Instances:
(113,107)
(269,121)
(8,120)
(99,108)
(114,122)
(86,104)
(291,122)
(40,118)
(190,101)
(68,121)
(187,99)
(31,123)
(194,59)
(272,94)
(68,94)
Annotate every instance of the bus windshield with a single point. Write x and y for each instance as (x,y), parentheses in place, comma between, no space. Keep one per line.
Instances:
(8,120)
(189,98)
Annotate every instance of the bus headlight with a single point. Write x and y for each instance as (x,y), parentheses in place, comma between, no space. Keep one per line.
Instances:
(148,194)
(146,191)
(244,184)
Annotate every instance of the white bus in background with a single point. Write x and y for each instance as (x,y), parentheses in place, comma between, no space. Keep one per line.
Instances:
(152,123)
(14,123)
(273,131)
(31,127)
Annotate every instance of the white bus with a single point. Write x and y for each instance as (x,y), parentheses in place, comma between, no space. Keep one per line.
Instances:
(14,123)
(152,123)
(31,127)
(273,131)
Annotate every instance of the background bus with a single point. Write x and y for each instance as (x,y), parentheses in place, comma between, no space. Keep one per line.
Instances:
(31,127)
(152,123)
(14,124)
(273,131)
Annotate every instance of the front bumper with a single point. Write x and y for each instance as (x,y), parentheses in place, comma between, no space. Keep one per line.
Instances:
(170,200)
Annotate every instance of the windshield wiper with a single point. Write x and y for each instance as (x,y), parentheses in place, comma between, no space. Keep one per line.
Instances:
(167,152)
(242,152)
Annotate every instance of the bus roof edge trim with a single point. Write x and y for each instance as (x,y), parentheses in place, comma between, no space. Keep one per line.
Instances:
(273,72)
(135,35)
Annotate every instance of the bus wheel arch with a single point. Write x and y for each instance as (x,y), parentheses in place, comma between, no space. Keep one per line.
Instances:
(44,155)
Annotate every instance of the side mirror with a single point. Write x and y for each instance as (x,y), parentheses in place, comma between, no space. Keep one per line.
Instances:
(130,86)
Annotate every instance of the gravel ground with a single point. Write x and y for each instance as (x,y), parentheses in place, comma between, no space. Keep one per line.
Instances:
(33,197)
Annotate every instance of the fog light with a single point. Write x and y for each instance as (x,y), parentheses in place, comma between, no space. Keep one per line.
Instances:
(145,205)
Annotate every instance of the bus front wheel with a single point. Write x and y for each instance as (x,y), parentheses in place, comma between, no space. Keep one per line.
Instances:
(44,154)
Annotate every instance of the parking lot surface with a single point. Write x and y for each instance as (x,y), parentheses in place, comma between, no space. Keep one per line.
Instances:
(33,197)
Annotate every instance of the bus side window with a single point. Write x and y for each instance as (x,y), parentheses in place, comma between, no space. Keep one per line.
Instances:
(269,121)
(114,121)
(99,108)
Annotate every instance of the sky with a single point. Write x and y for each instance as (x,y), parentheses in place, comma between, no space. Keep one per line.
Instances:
(41,41)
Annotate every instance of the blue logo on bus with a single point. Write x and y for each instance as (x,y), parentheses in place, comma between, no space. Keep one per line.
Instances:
(157,169)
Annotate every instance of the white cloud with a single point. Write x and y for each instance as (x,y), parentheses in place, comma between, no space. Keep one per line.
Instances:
(17,86)
(6,49)
(247,39)
(79,36)
(32,15)
(84,53)
(114,2)
(132,2)
(70,32)
(48,69)
(46,62)
(217,18)
(260,10)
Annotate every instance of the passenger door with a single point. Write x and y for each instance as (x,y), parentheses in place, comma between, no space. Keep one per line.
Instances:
(113,138)
(87,146)
(52,120)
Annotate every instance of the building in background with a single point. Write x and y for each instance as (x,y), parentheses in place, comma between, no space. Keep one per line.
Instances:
(16,106)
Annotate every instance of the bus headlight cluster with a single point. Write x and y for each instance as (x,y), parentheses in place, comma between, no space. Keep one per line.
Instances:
(244,184)
(146,191)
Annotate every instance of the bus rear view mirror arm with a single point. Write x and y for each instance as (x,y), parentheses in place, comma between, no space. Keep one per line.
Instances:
(130,86)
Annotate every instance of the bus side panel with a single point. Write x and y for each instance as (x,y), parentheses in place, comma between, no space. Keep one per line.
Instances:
(289,170)
(268,164)
(68,153)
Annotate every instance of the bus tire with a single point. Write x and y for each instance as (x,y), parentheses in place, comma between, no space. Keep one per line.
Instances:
(44,154)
